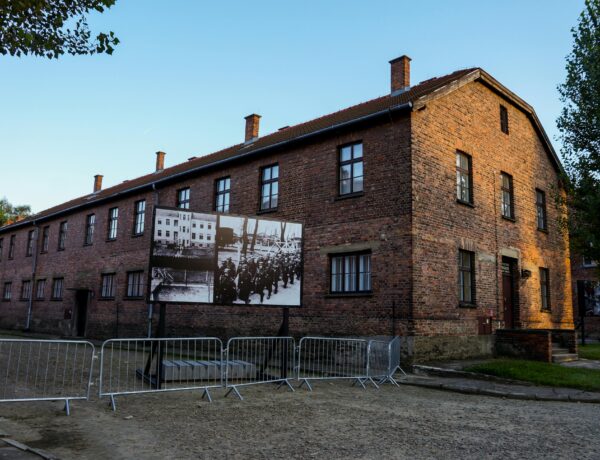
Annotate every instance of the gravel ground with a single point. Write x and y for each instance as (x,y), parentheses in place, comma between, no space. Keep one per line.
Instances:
(334,421)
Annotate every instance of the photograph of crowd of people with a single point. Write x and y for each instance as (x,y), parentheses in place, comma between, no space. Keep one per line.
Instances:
(260,262)
(225,260)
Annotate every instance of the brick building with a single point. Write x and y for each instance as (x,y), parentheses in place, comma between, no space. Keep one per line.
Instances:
(443,188)
(586,293)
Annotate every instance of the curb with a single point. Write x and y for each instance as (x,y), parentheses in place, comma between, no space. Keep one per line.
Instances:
(16,444)
(501,394)
(420,369)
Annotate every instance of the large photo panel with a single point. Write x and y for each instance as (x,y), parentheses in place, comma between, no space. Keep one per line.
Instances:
(225,260)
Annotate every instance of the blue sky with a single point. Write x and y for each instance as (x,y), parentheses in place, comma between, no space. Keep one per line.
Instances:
(187,72)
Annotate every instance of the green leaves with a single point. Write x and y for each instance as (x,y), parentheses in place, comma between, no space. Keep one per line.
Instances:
(37,27)
(579,124)
(10,213)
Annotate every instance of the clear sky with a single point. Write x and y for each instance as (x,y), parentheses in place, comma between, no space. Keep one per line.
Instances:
(187,72)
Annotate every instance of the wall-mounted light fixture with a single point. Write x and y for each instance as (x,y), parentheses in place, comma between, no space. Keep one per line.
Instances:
(525,273)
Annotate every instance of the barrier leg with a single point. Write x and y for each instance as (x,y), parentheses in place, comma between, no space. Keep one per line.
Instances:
(286,381)
(113,404)
(237,393)
(67,407)
(373,382)
(360,382)
(206,395)
(393,381)
(304,381)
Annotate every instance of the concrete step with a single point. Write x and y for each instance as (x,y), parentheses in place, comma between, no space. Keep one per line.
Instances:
(558,350)
(564,357)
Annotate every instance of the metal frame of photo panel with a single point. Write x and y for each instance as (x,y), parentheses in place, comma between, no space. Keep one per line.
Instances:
(216,262)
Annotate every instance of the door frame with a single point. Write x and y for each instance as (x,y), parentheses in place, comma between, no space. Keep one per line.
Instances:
(79,295)
(513,273)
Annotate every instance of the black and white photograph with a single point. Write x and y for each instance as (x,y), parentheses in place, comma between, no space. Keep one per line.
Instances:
(225,260)
(259,262)
(183,255)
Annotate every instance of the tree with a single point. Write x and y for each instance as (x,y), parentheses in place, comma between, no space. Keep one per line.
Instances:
(51,28)
(579,125)
(10,213)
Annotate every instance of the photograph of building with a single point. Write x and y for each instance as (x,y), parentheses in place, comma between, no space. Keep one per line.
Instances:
(183,256)
(426,212)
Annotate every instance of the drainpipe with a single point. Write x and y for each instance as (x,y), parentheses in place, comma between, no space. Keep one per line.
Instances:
(33,270)
(150,304)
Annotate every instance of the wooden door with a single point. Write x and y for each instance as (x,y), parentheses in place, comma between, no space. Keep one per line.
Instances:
(508,293)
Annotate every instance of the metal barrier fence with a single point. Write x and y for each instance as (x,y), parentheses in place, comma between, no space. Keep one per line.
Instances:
(45,370)
(384,360)
(258,360)
(134,366)
(48,370)
(325,358)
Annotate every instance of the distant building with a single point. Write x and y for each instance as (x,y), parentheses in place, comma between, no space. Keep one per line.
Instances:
(185,229)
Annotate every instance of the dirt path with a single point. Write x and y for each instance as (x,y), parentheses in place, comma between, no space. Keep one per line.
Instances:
(335,421)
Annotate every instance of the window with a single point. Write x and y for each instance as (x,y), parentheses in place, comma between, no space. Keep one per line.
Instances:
(62,235)
(540,205)
(7,291)
(222,194)
(269,188)
(1,246)
(113,222)
(545,288)
(45,238)
(466,277)
(107,290)
(464,178)
(183,198)
(57,288)
(40,289)
(588,262)
(140,217)
(508,205)
(350,273)
(11,247)
(503,119)
(351,169)
(135,284)
(29,248)
(26,290)
(90,223)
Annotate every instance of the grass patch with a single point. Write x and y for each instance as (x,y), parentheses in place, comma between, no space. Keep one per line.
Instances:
(540,373)
(590,351)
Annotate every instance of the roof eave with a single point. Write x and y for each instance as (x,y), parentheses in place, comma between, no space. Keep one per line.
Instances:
(195,170)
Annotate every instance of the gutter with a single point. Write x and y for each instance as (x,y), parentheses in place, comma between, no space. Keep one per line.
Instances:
(33,272)
(152,185)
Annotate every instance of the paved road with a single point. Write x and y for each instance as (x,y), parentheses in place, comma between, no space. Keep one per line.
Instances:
(334,421)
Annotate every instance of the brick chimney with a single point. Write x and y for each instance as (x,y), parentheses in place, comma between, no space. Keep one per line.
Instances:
(98,182)
(252,124)
(160,161)
(400,68)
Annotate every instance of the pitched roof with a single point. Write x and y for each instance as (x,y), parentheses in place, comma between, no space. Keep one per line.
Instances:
(351,114)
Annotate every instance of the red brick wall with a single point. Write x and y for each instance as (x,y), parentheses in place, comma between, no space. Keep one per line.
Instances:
(468,120)
(525,344)
(380,219)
